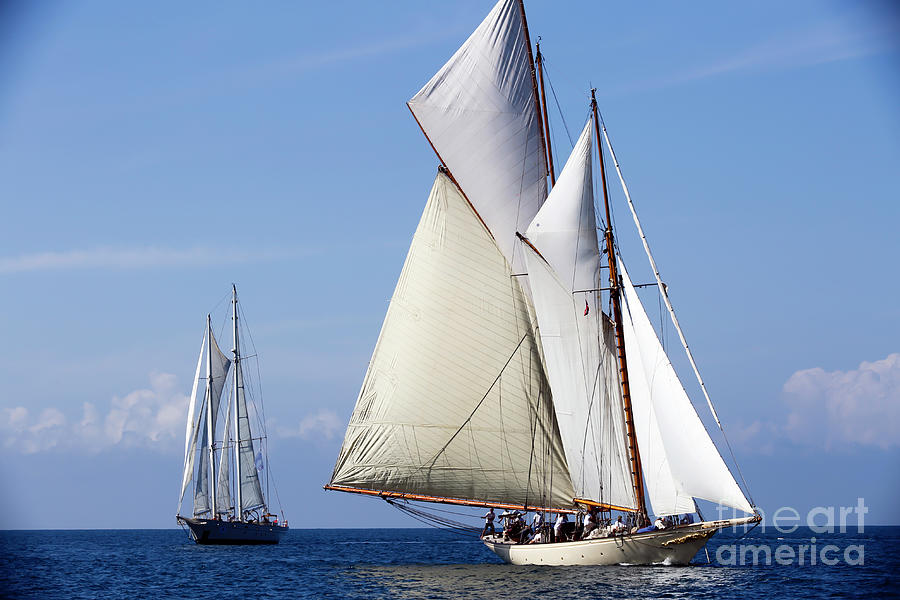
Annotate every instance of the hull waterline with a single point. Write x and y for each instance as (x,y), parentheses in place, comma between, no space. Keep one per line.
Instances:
(217,532)
(668,547)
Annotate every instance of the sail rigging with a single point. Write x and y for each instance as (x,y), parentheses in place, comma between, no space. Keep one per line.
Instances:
(679,458)
(577,351)
(497,378)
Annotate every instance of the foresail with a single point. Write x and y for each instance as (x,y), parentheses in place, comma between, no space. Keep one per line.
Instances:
(193,420)
(579,360)
(679,459)
(454,403)
(223,481)
(479,113)
(218,366)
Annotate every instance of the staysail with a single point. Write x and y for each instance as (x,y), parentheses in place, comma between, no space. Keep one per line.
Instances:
(194,413)
(679,459)
(219,368)
(454,403)
(223,480)
(579,352)
(479,113)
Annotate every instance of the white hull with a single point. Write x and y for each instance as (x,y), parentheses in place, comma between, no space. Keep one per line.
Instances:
(668,547)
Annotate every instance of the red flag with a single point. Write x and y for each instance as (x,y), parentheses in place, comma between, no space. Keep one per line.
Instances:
(587,308)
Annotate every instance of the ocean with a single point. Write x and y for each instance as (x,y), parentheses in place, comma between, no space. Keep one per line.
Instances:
(431,563)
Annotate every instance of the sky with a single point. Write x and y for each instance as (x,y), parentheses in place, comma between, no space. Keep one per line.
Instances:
(152,154)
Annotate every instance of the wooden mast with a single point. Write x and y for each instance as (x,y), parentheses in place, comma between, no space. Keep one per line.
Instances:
(540,69)
(545,142)
(614,292)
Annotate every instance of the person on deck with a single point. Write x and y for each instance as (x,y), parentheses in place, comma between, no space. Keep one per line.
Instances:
(618,526)
(561,521)
(659,524)
(488,523)
(590,523)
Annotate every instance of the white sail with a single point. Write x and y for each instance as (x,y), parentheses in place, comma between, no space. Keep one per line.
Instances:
(478,111)
(193,420)
(251,492)
(220,365)
(454,402)
(563,282)
(223,480)
(679,459)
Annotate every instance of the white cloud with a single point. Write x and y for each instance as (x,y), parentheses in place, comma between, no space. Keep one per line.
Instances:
(137,258)
(838,408)
(323,424)
(153,417)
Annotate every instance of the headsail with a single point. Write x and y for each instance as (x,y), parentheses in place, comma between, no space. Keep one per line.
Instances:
(223,480)
(219,367)
(193,420)
(680,460)
(479,113)
(578,354)
(454,403)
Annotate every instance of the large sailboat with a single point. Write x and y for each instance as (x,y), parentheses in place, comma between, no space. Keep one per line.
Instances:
(516,367)
(229,506)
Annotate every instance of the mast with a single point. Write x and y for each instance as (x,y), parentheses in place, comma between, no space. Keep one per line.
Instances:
(545,142)
(540,68)
(238,506)
(614,292)
(210,424)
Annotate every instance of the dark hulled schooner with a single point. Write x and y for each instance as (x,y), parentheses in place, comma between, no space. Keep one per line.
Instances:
(224,512)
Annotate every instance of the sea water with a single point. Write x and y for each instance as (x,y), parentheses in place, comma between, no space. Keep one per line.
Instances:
(431,563)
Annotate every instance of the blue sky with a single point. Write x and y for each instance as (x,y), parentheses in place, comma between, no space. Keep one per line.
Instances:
(150,155)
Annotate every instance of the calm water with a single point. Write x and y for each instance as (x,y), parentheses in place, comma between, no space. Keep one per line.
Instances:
(422,563)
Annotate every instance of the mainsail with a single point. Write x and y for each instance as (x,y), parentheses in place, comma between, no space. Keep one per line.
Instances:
(251,492)
(579,352)
(479,113)
(680,460)
(454,403)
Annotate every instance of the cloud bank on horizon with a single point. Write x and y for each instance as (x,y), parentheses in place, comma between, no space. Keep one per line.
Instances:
(824,410)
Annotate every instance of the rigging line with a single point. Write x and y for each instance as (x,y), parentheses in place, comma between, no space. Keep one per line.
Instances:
(558,108)
(477,406)
(665,295)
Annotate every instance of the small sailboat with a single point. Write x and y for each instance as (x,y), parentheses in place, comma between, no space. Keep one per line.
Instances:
(229,506)
(511,371)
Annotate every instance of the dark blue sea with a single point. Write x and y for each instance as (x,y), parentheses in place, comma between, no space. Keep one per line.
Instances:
(430,563)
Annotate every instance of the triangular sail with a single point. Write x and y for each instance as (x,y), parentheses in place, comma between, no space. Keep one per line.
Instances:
(679,459)
(579,358)
(251,492)
(193,421)
(454,403)
(223,480)
(219,367)
(479,113)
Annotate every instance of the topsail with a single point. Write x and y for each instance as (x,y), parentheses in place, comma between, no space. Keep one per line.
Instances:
(480,115)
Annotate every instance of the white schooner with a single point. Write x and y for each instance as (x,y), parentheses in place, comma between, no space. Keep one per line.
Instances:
(498,380)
